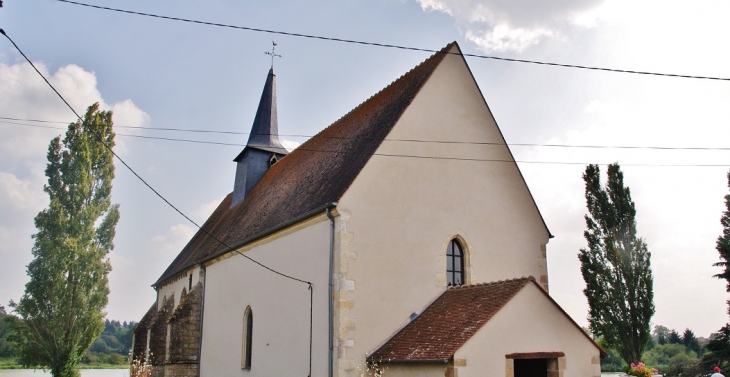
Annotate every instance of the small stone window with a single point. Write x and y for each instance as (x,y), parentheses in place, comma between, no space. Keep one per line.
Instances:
(273,160)
(454,264)
(247,339)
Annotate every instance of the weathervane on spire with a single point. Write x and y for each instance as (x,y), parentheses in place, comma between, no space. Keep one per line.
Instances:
(272,53)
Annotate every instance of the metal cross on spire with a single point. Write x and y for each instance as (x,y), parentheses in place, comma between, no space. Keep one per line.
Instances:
(273,54)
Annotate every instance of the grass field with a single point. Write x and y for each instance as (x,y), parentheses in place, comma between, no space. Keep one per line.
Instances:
(9,363)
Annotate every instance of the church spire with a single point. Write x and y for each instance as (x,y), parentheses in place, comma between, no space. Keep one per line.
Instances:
(263,148)
(265,129)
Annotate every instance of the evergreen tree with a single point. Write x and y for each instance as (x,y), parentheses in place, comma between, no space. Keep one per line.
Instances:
(721,345)
(674,337)
(61,312)
(690,341)
(723,243)
(616,266)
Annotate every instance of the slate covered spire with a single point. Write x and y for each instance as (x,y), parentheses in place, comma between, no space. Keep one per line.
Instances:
(263,148)
(265,129)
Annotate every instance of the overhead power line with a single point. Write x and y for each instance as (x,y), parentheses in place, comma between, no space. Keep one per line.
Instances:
(550,145)
(386,45)
(142,179)
(403,155)
(310,286)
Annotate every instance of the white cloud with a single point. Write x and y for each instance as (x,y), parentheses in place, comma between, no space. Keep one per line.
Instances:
(502,37)
(176,237)
(501,25)
(206,209)
(290,145)
(678,208)
(27,96)
(19,193)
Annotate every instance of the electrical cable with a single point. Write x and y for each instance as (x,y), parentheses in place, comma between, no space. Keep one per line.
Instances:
(310,286)
(138,176)
(400,47)
(441,157)
(656,147)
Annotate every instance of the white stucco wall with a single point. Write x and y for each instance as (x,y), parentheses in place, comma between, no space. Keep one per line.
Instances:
(414,370)
(400,213)
(280,306)
(528,323)
(176,286)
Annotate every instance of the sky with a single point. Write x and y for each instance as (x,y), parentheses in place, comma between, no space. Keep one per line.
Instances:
(156,73)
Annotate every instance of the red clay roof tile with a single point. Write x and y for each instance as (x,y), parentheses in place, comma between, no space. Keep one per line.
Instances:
(453,318)
(436,334)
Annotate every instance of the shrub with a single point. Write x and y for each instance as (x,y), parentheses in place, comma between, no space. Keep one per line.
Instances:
(641,370)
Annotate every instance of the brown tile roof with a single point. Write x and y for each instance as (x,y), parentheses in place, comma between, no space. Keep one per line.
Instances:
(311,176)
(446,324)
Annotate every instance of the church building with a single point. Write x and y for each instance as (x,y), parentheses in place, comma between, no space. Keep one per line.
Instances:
(402,239)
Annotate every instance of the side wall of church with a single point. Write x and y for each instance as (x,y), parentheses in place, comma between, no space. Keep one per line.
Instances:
(280,306)
(184,334)
(174,286)
(174,336)
(158,337)
(400,213)
(139,336)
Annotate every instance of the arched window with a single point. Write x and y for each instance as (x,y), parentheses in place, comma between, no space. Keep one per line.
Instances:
(272,160)
(454,264)
(247,339)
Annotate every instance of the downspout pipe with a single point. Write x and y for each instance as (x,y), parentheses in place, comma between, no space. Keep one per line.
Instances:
(331,292)
(202,311)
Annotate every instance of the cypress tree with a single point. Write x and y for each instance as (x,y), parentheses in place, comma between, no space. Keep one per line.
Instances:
(723,243)
(61,312)
(720,346)
(616,266)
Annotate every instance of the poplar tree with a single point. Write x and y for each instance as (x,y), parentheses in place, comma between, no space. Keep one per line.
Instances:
(616,266)
(61,312)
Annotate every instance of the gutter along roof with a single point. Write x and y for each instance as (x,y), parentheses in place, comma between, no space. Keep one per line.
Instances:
(309,178)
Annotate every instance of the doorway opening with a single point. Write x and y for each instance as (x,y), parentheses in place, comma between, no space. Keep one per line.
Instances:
(531,368)
(535,364)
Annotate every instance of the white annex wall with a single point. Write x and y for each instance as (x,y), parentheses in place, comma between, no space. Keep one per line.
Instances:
(280,306)
(528,323)
(400,213)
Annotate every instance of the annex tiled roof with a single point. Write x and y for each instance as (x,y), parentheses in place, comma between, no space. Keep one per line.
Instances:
(455,316)
(448,322)
(316,173)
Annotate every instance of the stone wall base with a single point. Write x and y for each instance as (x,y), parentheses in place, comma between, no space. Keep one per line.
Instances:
(181,370)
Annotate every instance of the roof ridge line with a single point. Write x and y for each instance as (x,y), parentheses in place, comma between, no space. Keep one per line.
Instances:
(442,51)
(465,286)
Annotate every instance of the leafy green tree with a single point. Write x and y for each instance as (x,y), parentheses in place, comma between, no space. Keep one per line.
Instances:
(61,312)
(660,334)
(616,266)
(6,348)
(668,355)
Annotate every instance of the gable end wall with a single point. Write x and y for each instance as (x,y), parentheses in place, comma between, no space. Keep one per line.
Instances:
(400,213)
